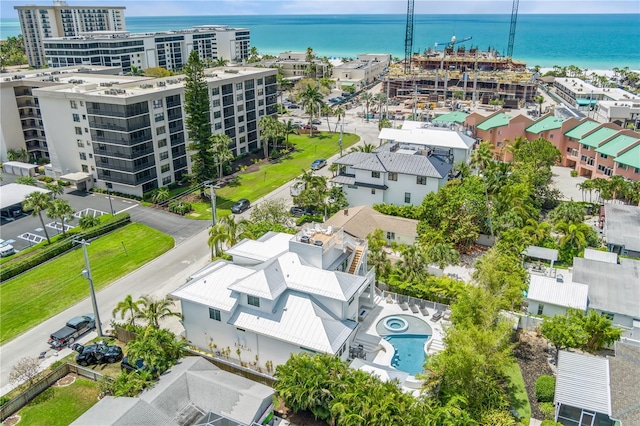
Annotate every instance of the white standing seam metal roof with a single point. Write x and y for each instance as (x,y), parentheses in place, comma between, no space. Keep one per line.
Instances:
(268,246)
(428,137)
(583,382)
(211,285)
(567,294)
(297,319)
(542,253)
(601,256)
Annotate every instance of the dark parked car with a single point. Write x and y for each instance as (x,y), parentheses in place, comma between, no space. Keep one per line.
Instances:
(240,206)
(316,122)
(293,106)
(138,365)
(318,164)
(99,353)
(308,126)
(74,328)
(298,211)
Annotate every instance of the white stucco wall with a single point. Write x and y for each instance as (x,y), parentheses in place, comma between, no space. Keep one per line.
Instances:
(548,309)
(11,136)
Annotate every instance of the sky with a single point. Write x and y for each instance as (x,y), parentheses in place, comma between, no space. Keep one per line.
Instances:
(333,7)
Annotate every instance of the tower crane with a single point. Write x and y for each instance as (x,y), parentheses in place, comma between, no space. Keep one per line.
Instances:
(408,37)
(512,29)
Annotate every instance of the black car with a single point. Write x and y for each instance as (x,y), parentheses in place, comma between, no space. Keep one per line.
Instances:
(138,365)
(297,211)
(100,353)
(240,206)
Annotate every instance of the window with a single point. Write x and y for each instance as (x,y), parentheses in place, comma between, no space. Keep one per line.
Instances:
(85,168)
(608,315)
(161,130)
(162,143)
(83,156)
(421,180)
(238,86)
(159,116)
(215,91)
(216,102)
(217,114)
(74,105)
(241,119)
(165,168)
(218,126)
(407,197)
(375,174)
(157,103)
(240,108)
(78,130)
(393,176)
(373,191)
(164,155)
(391,235)
(603,156)
(166,180)
(214,314)
(80,143)
(636,171)
(540,308)
(84,117)
(259,82)
(585,147)
(253,300)
(239,97)
(242,140)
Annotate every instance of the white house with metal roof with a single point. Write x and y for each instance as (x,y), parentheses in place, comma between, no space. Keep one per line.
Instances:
(400,177)
(280,295)
(553,296)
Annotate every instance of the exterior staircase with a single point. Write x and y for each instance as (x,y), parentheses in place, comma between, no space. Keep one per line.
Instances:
(356,260)
(436,346)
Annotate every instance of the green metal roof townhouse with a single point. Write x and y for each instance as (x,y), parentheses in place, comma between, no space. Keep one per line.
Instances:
(581,129)
(547,123)
(617,144)
(631,158)
(498,120)
(596,138)
(452,117)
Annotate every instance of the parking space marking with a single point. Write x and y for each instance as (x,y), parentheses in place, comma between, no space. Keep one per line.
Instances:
(89,212)
(58,226)
(32,238)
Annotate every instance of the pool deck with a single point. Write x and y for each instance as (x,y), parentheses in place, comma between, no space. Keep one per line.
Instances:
(382,354)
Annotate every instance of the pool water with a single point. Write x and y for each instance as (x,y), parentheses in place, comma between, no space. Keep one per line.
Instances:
(409,352)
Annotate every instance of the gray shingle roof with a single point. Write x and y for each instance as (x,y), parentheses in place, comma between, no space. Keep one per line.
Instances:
(624,369)
(622,225)
(385,161)
(613,287)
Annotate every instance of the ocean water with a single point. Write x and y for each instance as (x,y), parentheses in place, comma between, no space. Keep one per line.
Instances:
(588,41)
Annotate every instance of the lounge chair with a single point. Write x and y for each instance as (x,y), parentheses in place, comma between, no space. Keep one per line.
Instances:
(447,315)
(424,311)
(414,308)
(389,299)
(404,306)
(436,316)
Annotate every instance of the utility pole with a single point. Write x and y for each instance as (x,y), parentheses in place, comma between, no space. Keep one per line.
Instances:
(212,193)
(86,273)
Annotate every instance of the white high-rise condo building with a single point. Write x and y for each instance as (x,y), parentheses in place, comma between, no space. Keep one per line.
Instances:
(167,49)
(61,20)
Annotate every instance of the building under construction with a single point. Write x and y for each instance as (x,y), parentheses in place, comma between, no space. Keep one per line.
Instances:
(468,75)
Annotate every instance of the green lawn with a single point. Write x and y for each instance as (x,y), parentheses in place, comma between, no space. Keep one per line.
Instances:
(518,392)
(273,175)
(60,405)
(42,292)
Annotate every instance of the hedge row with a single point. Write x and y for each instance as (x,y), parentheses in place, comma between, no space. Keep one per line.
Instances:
(38,257)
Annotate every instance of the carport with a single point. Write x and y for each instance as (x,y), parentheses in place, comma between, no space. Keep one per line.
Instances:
(12,196)
(82,181)
(19,168)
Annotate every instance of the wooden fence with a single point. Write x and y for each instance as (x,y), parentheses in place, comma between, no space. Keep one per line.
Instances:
(234,368)
(43,384)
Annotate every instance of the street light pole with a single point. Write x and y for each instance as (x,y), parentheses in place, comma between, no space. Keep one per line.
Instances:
(209,185)
(86,273)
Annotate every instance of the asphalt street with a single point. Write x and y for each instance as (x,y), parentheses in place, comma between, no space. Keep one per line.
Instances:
(157,278)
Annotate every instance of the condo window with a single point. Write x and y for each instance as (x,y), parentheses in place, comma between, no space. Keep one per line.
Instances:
(80,143)
(373,191)
(165,168)
(421,180)
(214,314)
(161,130)
(85,168)
(603,155)
(540,309)
(166,180)
(375,174)
(253,300)
(74,105)
(215,91)
(393,176)
(216,102)
(585,147)
(164,155)
(159,116)
(407,197)
(238,86)
(239,97)
(391,235)
(260,82)
(157,103)
(162,143)
(78,130)
(83,156)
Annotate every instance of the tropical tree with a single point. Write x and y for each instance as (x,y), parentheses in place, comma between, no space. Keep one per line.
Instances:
(160,195)
(412,264)
(334,168)
(271,211)
(377,257)
(135,71)
(158,348)
(228,231)
(154,310)
(380,99)
(574,238)
(88,221)
(315,190)
(196,104)
(503,275)
(384,123)
(340,113)
(482,156)
(37,202)
(269,132)
(289,129)
(442,254)
(220,148)
(27,180)
(538,232)
(568,212)
(311,99)
(127,307)
(17,155)
(588,331)
(220,62)
(367,98)
(366,147)
(539,99)
(61,209)
(56,189)
(326,111)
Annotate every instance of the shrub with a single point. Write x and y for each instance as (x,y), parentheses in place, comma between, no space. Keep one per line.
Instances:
(547,409)
(545,388)
(4,399)
(180,207)
(309,218)
(550,423)
(574,173)
(45,179)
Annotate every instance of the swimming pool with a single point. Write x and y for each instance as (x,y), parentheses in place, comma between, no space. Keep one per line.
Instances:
(408,336)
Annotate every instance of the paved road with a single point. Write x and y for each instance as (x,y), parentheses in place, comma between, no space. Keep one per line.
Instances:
(157,278)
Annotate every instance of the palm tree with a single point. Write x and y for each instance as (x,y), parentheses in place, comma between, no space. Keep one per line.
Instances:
(87,221)
(384,123)
(228,231)
(267,132)
(366,97)
(574,234)
(334,168)
(482,156)
(37,202)
(220,62)
(220,147)
(289,129)
(127,306)
(413,262)
(153,310)
(539,99)
(376,255)
(135,71)
(617,185)
(60,209)
(380,99)
(56,189)
(311,100)
(367,147)
(443,254)
(340,113)
(17,155)
(538,232)
(326,111)
(496,175)
(160,195)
